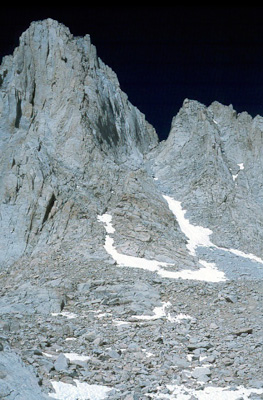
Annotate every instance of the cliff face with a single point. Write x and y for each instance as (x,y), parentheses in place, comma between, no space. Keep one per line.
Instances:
(125,262)
(212,162)
(66,131)
(73,147)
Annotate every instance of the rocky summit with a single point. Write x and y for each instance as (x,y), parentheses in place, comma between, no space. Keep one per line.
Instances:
(131,268)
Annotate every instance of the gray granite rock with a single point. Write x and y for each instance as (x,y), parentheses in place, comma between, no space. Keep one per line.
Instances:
(17,381)
(74,148)
(210,162)
(61,363)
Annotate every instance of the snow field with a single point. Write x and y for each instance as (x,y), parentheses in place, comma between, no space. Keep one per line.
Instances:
(198,236)
(82,391)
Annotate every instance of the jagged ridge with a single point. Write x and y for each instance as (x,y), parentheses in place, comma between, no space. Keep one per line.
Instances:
(123,235)
(73,146)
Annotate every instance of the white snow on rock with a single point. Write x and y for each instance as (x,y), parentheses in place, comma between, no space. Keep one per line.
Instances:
(197,235)
(208,272)
(245,255)
(122,259)
(66,314)
(148,353)
(159,312)
(82,391)
(178,318)
(70,356)
(106,219)
(131,261)
(162,312)
(76,357)
(241,166)
(120,322)
(181,392)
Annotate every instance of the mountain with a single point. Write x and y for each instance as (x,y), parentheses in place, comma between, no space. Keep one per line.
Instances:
(96,212)
(212,162)
(66,127)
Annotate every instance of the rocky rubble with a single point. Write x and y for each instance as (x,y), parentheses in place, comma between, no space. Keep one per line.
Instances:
(109,334)
(184,319)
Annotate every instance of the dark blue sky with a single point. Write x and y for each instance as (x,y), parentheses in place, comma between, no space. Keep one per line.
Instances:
(164,54)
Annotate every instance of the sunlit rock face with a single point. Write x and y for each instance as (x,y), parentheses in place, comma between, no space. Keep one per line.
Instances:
(211,162)
(129,267)
(73,147)
(68,135)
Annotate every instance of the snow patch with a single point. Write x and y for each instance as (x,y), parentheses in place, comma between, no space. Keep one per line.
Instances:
(179,318)
(159,312)
(82,391)
(76,357)
(148,353)
(122,259)
(106,219)
(197,235)
(120,323)
(131,261)
(207,273)
(102,315)
(245,255)
(181,392)
(70,356)
(241,166)
(66,314)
